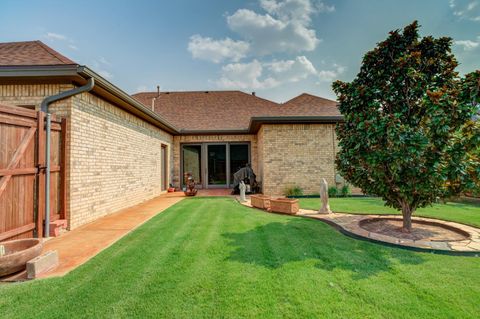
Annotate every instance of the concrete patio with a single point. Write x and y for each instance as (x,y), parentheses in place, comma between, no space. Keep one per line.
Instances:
(81,244)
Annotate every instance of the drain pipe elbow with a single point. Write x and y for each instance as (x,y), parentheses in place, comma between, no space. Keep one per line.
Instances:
(44,108)
(53,98)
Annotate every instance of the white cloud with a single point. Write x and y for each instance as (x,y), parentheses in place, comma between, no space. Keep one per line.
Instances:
(107,75)
(69,43)
(205,48)
(467,44)
(295,10)
(100,65)
(469,10)
(268,34)
(472,5)
(330,75)
(104,61)
(322,7)
(291,70)
(258,75)
(245,76)
(141,88)
(283,26)
(55,36)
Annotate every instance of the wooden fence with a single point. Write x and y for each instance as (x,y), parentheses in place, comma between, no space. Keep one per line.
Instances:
(22,172)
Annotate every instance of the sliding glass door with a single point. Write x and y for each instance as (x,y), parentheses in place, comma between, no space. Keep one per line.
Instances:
(239,157)
(192,162)
(212,165)
(217,165)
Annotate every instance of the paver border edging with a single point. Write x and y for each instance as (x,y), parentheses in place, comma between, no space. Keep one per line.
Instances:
(384,243)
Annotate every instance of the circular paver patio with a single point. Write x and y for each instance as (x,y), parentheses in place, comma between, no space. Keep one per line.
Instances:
(351,224)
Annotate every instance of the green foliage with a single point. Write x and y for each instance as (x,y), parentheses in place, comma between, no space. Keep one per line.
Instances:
(293,191)
(409,134)
(345,190)
(332,191)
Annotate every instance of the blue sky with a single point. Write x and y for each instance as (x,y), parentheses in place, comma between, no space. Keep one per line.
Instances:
(278,48)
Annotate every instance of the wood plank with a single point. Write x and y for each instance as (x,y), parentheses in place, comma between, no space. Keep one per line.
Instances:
(18,171)
(17,157)
(17,231)
(17,121)
(16,110)
(56,127)
(55,168)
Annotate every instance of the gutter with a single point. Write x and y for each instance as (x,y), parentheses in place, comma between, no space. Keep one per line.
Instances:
(44,107)
(214,132)
(256,122)
(79,74)
(138,106)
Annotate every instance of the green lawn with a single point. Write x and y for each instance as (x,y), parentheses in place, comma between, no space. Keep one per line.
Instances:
(212,258)
(457,212)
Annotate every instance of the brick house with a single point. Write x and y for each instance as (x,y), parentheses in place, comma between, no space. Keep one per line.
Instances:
(123,149)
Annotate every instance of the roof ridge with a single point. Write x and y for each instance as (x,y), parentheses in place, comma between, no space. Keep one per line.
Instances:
(194,91)
(17,42)
(206,91)
(54,53)
(307,94)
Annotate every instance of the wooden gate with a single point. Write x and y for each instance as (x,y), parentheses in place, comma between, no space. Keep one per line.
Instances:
(22,172)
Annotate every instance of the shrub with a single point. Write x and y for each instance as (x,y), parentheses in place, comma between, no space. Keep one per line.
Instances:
(345,190)
(332,191)
(293,191)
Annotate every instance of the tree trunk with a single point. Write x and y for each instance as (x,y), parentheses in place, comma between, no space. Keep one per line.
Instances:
(407,218)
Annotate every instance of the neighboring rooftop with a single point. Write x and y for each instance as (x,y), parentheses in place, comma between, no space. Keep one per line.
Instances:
(229,110)
(30,53)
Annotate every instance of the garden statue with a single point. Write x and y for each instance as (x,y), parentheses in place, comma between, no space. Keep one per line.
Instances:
(325,209)
(190,185)
(242,187)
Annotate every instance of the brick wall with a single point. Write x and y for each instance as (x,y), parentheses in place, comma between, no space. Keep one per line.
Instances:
(296,155)
(33,95)
(177,140)
(113,157)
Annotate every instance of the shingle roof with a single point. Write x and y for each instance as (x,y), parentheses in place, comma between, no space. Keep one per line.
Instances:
(310,105)
(30,53)
(229,110)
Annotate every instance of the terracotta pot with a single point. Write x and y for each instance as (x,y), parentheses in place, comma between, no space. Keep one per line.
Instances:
(17,253)
(284,205)
(260,201)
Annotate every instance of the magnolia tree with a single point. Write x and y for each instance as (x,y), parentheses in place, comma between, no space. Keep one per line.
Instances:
(411,133)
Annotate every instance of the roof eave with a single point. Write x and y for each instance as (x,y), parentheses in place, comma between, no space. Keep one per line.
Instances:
(79,74)
(138,106)
(257,122)
(215,132)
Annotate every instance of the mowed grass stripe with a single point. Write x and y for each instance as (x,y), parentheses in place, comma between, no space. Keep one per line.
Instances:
(213,258)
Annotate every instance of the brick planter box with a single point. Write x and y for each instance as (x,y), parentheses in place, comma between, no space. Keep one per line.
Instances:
(260,201)
(284,205)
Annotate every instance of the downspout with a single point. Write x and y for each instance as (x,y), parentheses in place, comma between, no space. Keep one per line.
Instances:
(44,108)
